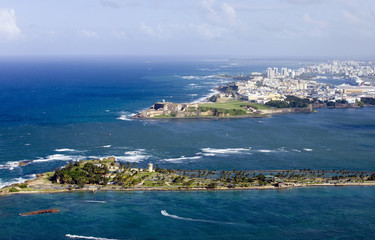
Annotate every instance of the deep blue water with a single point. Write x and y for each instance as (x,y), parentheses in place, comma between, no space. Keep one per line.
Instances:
(59,109)
(307,213)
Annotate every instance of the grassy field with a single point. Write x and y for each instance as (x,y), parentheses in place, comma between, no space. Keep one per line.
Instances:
(233,105)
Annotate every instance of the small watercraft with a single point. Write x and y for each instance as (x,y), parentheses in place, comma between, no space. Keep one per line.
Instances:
(40,212)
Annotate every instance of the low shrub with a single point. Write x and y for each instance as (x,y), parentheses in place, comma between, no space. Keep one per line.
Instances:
(13,189)
(23,185)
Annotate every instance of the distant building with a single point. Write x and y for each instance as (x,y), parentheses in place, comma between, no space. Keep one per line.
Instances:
(270,73)
(151,167)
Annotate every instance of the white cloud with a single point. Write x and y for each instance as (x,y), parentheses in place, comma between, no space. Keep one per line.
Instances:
(307,19)
(207,31)
(223,14)
(88,33)
(119,34)
(160,31)
(229,12)
(9,30)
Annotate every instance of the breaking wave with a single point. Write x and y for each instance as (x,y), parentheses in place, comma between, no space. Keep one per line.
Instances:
(224,151)
(202,99)
(9,165)
(16,180)
(133,156)
(65,150)
(282,149)
(181,159)
(307,149)
(126,116)
(88,237)
(57,157)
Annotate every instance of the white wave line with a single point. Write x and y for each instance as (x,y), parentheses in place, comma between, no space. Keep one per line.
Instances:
(86,237)
(65,150)
(164,213)
(94,201)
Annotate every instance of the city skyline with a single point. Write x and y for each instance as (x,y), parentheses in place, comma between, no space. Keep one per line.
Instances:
(200,27)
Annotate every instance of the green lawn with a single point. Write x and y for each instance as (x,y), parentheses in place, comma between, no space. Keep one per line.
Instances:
(233,105)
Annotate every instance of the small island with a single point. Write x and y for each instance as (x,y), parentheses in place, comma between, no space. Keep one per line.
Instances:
(109,175)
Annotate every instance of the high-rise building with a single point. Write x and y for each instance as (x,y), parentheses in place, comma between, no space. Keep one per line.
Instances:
(275,72)
(270,73)
(284,71)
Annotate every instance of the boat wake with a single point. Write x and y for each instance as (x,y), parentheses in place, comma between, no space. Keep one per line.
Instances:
(166,214)
(86,237)
(93,201)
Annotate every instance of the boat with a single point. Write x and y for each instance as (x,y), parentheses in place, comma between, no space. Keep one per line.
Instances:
(53,210)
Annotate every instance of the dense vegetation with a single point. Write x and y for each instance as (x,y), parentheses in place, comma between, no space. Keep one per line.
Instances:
(290,102)
(81,174)
(367,100)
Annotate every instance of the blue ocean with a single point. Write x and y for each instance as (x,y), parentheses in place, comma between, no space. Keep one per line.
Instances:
(57,109)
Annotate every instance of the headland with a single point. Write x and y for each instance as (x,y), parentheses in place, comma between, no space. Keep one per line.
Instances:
(273,92)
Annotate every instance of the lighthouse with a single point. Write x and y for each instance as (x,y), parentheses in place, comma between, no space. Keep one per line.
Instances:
(150,167)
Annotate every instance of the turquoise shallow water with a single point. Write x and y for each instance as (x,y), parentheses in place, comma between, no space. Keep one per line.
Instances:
(308,213)
(57,110)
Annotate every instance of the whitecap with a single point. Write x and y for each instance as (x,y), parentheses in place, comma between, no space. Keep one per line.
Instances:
(307,149)
(16,180)
(87,237)
(204,98)
(181,159)
(126,116)
(107,146)
(296,150)
(224,151)
(55,157)
(65,150)
(134,156)
(188,77)
(10,165)
(265,151)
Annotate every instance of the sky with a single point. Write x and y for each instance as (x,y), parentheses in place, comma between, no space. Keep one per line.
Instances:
(295,28)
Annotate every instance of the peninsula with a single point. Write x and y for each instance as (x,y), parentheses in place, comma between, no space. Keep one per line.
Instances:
(274,92)
(109,175)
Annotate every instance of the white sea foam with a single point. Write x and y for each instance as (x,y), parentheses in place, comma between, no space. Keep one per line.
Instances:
(107,146)
(166,214)
(182,158)
(87,237)
(224,151)
(9,165)
(16,180)
(188,77)
(265,151)
(126,116)
(27,144)
(57,157)
(202,99)
(134,156)
(307,149)
(65,150)
(296,150)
